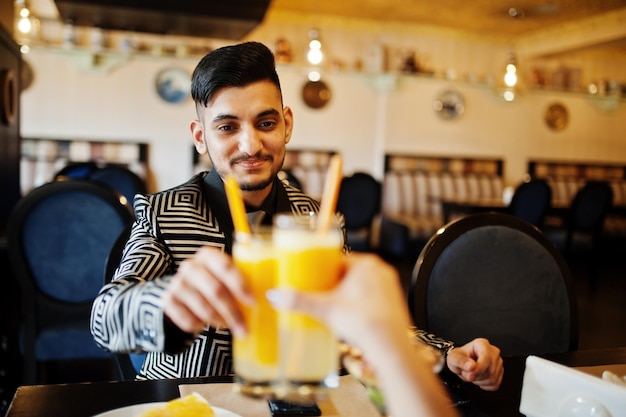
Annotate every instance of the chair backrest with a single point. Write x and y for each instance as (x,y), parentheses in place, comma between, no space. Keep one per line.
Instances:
(590,206)
(496,276)
(121,179)
(531,201)
(359,200)
(118,177)
(59,237)
(77,170)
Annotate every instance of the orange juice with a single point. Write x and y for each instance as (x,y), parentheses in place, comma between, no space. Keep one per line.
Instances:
(256,354)
(310,261)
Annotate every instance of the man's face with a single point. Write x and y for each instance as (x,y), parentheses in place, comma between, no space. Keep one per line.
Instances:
(245,130)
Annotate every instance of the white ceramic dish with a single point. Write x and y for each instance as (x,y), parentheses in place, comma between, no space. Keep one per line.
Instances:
(135,410)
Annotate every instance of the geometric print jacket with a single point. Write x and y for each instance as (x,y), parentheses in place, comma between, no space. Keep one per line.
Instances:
(170,226)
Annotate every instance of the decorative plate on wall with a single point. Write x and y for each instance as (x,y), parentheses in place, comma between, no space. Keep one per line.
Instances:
(449,105)
(556,116)
(316,94)
(173,84)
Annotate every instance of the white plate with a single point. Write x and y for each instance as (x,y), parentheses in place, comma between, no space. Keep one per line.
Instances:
(135,410)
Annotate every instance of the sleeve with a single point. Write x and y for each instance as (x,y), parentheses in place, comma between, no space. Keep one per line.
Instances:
(127,315)
(443,346)
(430,339)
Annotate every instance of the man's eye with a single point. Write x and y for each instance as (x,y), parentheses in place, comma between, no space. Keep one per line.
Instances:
(267,123)
(225,128)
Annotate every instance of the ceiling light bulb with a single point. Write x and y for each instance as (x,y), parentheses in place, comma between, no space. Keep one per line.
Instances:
(509,95)
(24,12)
(315,56)
(314,76)
(511,68)
(510,79)
(24,25)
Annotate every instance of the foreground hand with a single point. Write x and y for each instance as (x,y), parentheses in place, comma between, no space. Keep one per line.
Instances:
(478,362)
(360,307)
(205,291)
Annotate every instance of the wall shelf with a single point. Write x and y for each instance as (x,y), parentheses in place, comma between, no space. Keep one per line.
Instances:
(94,60)
(108,59)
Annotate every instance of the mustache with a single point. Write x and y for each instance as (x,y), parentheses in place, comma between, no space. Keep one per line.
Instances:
(251,158)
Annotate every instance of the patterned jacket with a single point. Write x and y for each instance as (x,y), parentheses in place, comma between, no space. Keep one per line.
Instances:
(170,227)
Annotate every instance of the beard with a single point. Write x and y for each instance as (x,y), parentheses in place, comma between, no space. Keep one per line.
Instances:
(258,185)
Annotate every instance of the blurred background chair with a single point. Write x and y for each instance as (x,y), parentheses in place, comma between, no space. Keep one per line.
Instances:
(496,276)
(121,179)
(59,238)
(128,364)
(581,235)
(78,170)
(531,201)
(118,177)
(359,200)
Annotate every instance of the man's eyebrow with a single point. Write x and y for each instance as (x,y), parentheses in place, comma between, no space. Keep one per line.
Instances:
(221,117)
(270,112)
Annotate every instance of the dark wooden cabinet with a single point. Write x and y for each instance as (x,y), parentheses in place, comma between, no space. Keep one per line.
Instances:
(10,70)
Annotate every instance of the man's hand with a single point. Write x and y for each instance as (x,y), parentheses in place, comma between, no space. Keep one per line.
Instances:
(204,292)
(478,362)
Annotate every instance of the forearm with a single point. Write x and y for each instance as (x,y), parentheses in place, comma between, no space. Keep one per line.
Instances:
(127,316)
(407,381)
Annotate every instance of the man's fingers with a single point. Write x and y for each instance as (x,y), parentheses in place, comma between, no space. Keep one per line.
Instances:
(223,266)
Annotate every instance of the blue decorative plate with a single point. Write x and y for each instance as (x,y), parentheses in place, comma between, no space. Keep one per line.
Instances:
(173,85)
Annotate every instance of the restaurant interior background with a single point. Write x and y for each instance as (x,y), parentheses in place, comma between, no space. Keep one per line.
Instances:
(384,73)
(375,108)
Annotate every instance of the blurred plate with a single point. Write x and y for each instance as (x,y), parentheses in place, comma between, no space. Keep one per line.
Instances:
(137,409)
(173,85)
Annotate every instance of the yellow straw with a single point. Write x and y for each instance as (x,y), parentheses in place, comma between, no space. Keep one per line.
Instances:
(331,193)
(237,208)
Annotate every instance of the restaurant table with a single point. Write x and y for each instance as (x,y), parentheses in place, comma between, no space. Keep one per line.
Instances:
(455,208)
(89,399)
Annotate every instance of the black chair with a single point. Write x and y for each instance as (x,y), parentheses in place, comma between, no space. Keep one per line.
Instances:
(588,211)
(121,179)
(128,364)
(359,201)
(76,170)
(580,237)
(531,201)
(59,237)
(496,276)
(118,177)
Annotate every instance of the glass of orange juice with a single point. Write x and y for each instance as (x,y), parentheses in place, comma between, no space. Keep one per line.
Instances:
(255,355)
(308,260)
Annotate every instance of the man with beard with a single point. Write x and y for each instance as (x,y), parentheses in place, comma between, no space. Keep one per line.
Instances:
(176,290)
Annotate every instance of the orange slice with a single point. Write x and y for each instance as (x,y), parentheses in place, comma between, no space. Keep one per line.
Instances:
(192,405)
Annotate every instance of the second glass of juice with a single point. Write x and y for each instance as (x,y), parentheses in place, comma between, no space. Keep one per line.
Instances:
(307,260)
(256,354)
